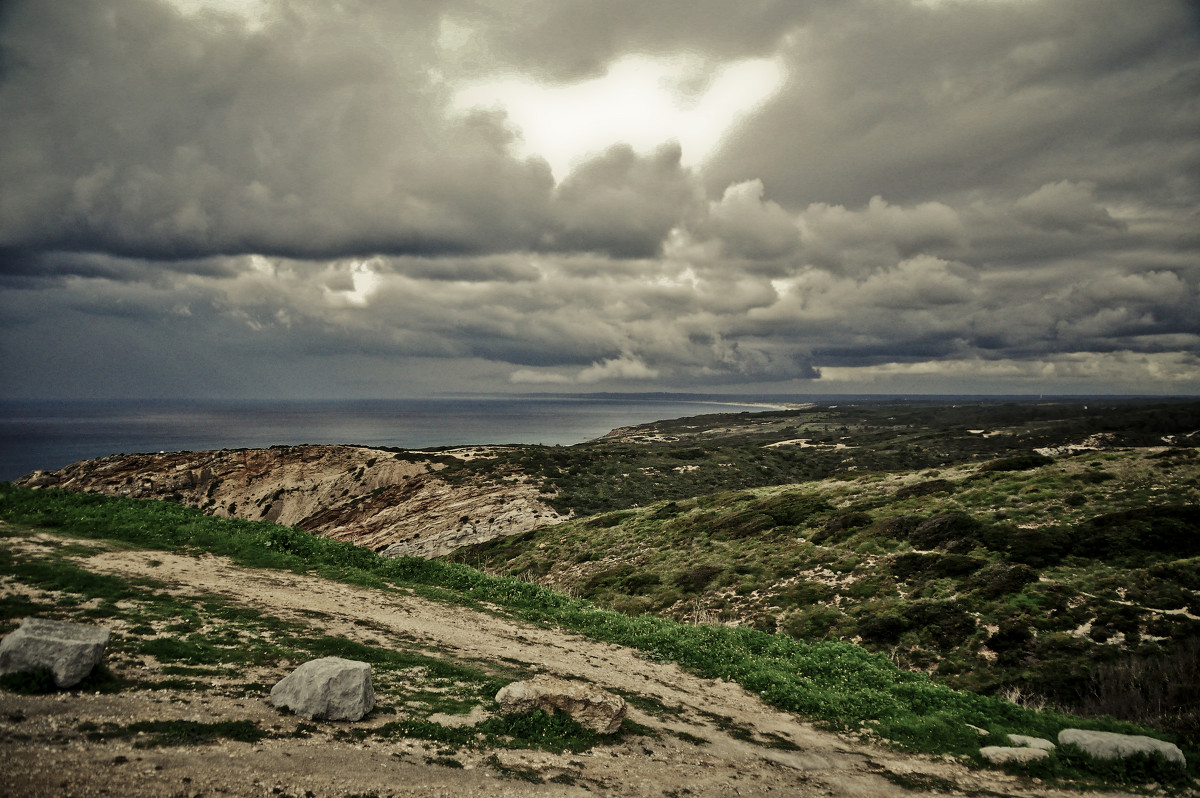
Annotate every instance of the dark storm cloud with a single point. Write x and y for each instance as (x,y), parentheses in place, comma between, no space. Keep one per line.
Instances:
(623,204)
(132,130)
(956,191)
(917,102)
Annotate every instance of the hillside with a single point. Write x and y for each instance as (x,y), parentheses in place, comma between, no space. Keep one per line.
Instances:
(388,500)
(435,666)
(1038,554)
(430,502)
(1044,551)
(207,614)
(1070,581)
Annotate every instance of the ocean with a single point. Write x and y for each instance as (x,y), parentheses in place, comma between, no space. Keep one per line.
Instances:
(50,435)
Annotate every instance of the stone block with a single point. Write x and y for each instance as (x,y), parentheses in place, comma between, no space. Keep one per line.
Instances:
(330,688)
(1110,745)
(68,650)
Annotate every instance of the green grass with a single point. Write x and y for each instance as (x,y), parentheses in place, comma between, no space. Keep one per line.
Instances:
(556,733)
(922,575)
(836,683)
(165,733)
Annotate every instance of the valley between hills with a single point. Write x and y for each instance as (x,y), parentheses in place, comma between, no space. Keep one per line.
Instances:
(1029,564)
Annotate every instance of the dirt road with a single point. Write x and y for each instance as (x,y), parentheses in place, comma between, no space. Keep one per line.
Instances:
(45,754)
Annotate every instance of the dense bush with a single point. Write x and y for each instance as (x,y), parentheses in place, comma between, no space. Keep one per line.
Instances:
(1039,547)
(1129,535)
(1020,462)
(695,580)
(1150,687)
(898,527)
(1011,641)
(952,531)
(927,488)
(911,564)
(946,623)
(791,508)
(999,579)
(745,524)
(884,628)
(846,521)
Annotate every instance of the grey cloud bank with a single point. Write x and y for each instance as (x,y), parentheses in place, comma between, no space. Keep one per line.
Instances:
(961,196)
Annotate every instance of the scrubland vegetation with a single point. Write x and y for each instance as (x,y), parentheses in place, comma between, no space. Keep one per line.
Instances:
(904,573)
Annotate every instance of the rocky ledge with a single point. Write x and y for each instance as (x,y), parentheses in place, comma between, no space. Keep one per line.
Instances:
(391,501)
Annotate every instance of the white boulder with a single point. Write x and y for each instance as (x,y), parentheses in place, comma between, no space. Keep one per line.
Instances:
(68,650)
(1025,741)
(999,755)
(330,688)
(1110,745)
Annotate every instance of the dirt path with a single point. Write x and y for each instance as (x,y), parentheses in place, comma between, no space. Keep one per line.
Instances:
(43,757)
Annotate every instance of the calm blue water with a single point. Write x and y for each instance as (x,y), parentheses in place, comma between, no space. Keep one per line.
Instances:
(50,435)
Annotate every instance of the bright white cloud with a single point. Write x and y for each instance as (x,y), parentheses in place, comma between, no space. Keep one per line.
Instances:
(252,12)
(642,101)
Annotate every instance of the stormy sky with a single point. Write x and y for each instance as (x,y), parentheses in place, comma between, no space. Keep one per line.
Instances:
(305,198)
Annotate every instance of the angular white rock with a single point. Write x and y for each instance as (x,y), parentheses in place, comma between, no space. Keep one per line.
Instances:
(68,650)
(330,688)
(590,706)
(999,755)
(1024,741)
(1110,745)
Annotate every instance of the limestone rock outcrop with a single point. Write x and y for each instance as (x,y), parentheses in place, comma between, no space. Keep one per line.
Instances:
(68,650)
(590,706)
(999,755)
(1025,741)
(330,688)
(1110,745)
(390,501)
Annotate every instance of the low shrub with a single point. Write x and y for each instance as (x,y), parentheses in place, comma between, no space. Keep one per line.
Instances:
(803,594)
(695,580)
(945,623)
(834,683)
(952,531)
(927,488)
(999,579)
(910,564)
(1020,462)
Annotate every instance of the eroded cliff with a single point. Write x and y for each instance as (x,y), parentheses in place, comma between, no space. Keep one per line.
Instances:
(393,502)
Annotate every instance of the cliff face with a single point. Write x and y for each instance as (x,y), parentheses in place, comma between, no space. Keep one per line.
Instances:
(394,503)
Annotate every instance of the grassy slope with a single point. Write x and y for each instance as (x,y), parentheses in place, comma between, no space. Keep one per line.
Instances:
(1073,580)
(931,534)
(837,683)
(684,458)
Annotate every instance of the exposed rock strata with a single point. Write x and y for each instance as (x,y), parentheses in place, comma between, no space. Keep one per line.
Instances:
(392,502)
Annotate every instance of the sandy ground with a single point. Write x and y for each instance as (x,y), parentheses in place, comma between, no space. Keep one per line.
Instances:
(45,755)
